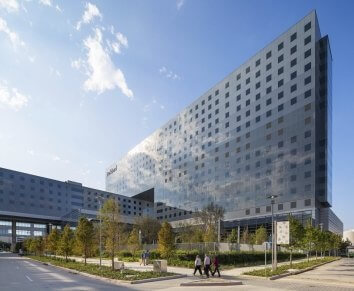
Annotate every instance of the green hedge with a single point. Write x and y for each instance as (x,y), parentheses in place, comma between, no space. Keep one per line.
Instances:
(181,258)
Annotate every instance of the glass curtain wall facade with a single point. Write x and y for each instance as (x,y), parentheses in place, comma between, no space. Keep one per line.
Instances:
(264,129)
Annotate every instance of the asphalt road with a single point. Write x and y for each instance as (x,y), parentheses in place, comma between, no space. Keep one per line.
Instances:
(19,273)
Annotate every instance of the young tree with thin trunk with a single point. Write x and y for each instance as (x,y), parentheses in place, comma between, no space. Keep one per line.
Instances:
(53,241)
(232,238)
(133,241)
(261,235)
(84,236)
(165,240)
(296,236)
(111,227)
(66,242)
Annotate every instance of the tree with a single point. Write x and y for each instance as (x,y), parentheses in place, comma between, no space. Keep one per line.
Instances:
(84,236)
(210,235)
(296,236)
(309,238)
(66,242)
(149,228)
(111,227)
(233,236)
(53,241)
(245,236)
(210,216)
(261,235)
(165,240)
(134,241)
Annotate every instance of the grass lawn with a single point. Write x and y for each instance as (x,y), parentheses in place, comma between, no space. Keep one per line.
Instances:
(283,269)
(128,275)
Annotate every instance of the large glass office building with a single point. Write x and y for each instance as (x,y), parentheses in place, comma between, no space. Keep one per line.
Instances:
(264,129)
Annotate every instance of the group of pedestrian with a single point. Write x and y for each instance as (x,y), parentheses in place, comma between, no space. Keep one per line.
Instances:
(207,265)
(145,255)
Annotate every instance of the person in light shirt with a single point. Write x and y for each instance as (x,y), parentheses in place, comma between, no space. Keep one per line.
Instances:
(207,263)
(197,265)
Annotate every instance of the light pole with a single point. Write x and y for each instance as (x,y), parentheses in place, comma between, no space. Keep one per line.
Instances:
(274,259)
(100,205)
(321,227)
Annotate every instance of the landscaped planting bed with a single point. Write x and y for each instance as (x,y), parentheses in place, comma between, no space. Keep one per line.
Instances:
(284,269)
(106,272)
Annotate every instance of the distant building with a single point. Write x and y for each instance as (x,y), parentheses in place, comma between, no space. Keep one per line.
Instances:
(349,235)
(265,129)
(30,205)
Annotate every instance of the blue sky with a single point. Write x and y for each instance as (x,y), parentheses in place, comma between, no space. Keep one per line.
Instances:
(83,82)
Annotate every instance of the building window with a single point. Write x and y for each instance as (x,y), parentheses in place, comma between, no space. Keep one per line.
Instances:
(227,85)
(293,75)
(308,202)
(258,62)
(280,70)
(307,80)
(280,46)
(293,37)
(280,58)
(308,93)
(258,73)
(248,69)
(280,206)
(269,66)
(307,67)
(293,88)
(280,107)
(293,50)
(307,53)
(307,40)
(247,212)
(307,26)
(293,62)
(268,55)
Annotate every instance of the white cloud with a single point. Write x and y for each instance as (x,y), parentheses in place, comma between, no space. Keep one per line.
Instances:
(46,2)
(120,41)
(56,158)
(9,5)
(168,73)
(14,38)
(32,59)
(101,71)
(179,4)
(30,152)
(58,8)
(11,97)
(90,13)
(54,72)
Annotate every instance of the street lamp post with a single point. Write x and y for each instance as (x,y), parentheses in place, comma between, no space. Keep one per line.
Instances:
(274,258)
(321,227)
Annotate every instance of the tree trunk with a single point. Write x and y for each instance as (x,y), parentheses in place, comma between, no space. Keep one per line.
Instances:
(291,258)
(66,257)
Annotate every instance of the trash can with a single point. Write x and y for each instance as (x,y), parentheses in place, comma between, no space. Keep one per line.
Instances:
(160,266)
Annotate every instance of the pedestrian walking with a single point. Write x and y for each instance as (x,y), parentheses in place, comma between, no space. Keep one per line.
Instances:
(147,257)
(197,265)
(142,257)
(216,266)
(207,263)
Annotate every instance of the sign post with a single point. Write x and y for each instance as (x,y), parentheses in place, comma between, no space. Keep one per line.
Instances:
(282,236)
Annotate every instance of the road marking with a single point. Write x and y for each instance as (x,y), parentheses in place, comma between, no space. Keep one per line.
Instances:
(29,278)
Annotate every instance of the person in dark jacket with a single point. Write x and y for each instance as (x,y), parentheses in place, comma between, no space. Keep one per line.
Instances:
(216,266)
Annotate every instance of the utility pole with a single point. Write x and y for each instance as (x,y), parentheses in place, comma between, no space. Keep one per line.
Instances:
(274,242)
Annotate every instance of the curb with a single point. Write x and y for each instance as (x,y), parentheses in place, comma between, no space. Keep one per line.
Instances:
(157,279)
(109,280)
(230,283)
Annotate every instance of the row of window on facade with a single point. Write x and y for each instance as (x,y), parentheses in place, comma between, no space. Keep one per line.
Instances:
(280,207)
(293,75)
